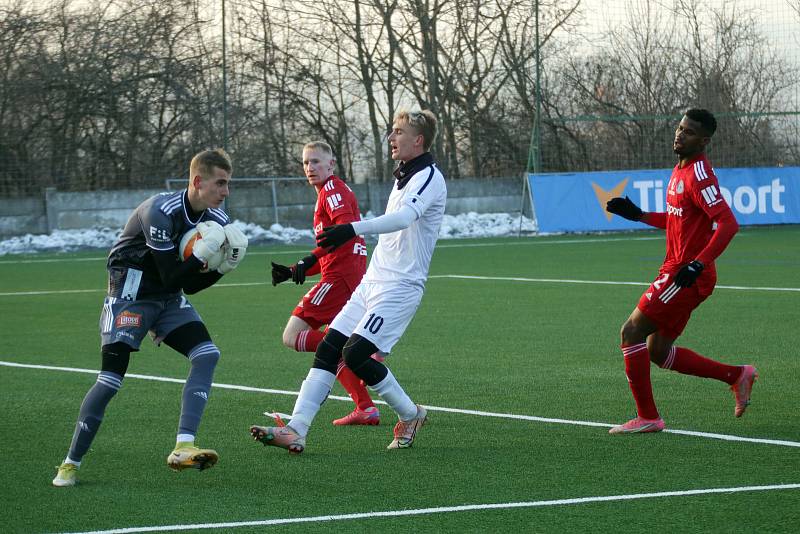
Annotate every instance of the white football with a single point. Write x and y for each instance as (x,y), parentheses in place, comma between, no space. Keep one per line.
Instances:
(187,245)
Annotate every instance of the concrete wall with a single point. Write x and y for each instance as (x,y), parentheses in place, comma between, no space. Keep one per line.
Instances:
(19,216)
(290,203)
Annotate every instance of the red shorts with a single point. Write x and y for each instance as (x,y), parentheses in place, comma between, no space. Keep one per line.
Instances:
(320,305)
(670,306)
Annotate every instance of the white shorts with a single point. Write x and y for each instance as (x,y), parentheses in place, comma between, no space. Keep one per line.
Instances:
(379,312)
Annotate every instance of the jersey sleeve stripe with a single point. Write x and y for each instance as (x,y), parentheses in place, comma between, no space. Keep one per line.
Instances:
(700,171)
(430,177)
(219,214)
(169,207)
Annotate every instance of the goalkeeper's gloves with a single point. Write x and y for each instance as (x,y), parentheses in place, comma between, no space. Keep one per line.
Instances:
(212,236)
(235,249)
(280,273)
(689,273)
(299,269)
(624,207)
(336,235)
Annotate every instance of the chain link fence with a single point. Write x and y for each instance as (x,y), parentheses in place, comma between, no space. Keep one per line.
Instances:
(120,94)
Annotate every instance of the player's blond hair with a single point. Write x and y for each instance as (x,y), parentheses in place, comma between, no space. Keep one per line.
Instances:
(203,162)
(424,123)
(322,146)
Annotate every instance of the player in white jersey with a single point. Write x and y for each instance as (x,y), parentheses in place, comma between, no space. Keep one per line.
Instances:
(385,301)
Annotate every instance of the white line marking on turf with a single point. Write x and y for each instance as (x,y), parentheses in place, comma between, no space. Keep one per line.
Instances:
(597,282)
(446,509)
(437,276)
(105,258)
(500,415)
(300,250)
(551,242)
(103,290)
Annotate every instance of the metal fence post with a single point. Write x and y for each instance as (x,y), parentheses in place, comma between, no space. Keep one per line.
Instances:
(274,200)
(51,216)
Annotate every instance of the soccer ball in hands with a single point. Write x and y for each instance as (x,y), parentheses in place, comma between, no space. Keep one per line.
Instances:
(187,246)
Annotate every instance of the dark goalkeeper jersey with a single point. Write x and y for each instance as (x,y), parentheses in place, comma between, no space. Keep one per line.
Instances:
(158,223)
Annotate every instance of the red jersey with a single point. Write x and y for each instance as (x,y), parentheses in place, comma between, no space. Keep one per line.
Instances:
(337,204)
(693,200)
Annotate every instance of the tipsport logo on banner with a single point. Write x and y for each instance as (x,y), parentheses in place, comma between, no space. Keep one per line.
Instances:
(576,202)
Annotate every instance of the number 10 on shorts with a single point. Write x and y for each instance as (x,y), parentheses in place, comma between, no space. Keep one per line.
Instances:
(374,323)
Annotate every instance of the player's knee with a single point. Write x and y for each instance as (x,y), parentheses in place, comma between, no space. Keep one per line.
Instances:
(290,337)
(329,351)
(204,355)
(629,334)
(116,357)
(357,350)
(658,355)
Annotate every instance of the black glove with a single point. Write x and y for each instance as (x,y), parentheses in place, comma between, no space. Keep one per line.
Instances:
(280,273)
(336,235)
(624,207)
(689,273)
(299,269)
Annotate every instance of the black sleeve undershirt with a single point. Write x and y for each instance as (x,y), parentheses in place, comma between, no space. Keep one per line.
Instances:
(185,275)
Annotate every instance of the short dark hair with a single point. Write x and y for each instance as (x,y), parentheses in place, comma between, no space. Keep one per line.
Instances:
(704,117)
(203,162)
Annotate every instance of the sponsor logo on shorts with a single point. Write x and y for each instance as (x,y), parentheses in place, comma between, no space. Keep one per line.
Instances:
(127,319)
(649,295)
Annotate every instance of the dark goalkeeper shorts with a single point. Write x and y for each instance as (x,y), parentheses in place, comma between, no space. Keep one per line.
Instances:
(670,306)
(129,321)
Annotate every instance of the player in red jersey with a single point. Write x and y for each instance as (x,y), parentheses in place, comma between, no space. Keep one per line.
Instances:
(342,270)
(686,278)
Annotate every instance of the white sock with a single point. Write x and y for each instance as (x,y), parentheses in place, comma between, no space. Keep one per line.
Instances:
(313,392)
(69,460)
(391,391)
(184,438)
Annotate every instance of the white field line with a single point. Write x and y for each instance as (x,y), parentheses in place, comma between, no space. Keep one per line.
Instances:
(447,509)
(105,258)
(595,282)
(301,250)
(479,413)
(435,276)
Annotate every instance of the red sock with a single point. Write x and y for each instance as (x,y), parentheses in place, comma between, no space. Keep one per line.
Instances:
(637,369)
(688,362)
(354,387)
(307,340)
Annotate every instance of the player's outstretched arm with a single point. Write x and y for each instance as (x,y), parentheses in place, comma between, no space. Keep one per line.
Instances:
(625,208)
(304,267)
(334,236)
(280,273)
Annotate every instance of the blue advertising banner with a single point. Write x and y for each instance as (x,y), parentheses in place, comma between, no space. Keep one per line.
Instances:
(575,202)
